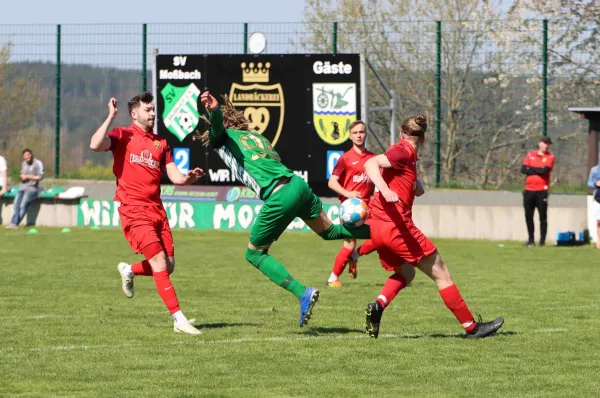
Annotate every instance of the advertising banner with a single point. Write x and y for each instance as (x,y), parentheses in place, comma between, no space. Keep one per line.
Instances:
(195,215)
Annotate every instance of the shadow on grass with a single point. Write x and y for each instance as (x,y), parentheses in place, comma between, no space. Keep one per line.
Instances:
(442,336)
(221,325)
(316,331)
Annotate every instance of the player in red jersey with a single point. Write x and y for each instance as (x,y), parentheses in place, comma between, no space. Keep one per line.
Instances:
(139,158)
(400,244)
(349,180)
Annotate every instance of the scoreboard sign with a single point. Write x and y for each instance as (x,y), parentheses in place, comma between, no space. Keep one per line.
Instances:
(302,103)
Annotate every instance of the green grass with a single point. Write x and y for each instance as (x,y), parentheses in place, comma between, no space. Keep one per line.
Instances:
(67,329)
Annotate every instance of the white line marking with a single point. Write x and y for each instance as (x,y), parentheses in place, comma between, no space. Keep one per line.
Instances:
(195,341)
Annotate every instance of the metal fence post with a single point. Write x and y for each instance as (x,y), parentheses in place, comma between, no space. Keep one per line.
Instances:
(144,65)
(545,77)
(57,115)
(335,33)
(438,101)
(245,37)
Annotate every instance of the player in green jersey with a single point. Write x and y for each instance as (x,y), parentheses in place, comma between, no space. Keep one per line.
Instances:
(286,196)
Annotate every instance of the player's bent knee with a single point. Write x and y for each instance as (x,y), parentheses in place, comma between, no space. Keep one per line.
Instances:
(409,274)
(170,264)
(254,257)
(350,244)
(320,225)
(159,262)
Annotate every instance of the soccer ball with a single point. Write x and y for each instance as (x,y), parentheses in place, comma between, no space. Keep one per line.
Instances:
(353,212)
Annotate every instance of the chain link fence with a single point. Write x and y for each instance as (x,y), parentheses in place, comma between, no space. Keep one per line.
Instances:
(490,89)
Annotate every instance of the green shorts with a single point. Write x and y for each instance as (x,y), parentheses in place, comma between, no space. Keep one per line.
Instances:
(294,199)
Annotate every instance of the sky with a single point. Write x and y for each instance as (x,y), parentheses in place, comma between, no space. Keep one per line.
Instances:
(149,11)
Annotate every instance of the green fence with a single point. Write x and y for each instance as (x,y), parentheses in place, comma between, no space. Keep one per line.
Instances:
(489,88)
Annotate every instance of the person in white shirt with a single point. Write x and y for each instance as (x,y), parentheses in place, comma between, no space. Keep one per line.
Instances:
(3,175)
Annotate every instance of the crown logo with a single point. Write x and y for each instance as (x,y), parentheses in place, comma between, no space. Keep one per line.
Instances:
(255,73)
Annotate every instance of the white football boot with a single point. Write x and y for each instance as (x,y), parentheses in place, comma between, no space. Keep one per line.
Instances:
(186,327)
(127,281)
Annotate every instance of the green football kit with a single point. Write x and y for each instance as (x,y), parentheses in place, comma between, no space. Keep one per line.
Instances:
(253,161)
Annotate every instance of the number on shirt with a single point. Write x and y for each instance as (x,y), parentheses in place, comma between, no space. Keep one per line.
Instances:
(259,145)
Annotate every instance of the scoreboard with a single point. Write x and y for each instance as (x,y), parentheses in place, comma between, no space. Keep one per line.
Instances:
(303,103)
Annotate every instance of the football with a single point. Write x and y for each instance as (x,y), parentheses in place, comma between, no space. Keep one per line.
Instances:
(353,212)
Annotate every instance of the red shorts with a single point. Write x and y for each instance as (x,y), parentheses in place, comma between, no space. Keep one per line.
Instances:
(399,243)
(144,225)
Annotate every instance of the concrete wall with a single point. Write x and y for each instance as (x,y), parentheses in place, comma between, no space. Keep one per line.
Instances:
(493,222)
(43,213)
(439,213)
(494,215)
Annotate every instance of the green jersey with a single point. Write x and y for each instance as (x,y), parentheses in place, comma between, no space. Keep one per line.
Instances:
(249,155)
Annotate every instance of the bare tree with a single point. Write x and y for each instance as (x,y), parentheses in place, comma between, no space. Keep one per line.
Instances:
(488,106)
(20,98)
(573,73)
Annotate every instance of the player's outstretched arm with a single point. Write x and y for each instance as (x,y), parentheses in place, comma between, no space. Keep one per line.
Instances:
(100,141)
(372,167)
(217,128)
(179,179)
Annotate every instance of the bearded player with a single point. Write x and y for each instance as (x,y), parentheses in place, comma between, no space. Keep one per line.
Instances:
(286,196)
(349,180)
(139,157)
(400,244)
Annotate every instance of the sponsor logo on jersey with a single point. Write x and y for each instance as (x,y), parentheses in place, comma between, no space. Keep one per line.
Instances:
(145,158)
(360,178)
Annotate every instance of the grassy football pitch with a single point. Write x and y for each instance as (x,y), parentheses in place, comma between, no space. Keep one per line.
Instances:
(68,330)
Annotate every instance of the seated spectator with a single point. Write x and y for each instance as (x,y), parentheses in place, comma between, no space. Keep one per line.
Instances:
(32,172)
(3,176)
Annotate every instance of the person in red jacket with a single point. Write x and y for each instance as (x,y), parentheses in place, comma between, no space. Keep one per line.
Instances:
(349,180)
(537,166)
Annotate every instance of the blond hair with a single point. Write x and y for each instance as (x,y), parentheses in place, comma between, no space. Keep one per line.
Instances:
(415,126)
(356,123)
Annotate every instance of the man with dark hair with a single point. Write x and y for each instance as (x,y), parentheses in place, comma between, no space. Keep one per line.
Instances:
(139,160)
(32,172)
(537,166)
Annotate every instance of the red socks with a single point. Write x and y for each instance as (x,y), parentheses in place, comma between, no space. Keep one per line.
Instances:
(166,290)
(366,248)
(142,268)
(341,259)
(457,305)
(390,289)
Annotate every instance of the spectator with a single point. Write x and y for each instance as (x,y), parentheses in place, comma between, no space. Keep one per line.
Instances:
(594,183)
(537,165)
(32,172)
(3,176)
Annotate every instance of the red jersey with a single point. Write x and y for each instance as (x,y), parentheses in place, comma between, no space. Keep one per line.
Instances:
(537,182)
(139,157)
(350,169)
(401,178)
